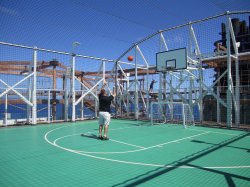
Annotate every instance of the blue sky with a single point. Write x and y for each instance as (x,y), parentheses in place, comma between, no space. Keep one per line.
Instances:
(105,28)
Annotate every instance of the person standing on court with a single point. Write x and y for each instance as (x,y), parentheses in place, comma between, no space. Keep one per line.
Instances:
(151,87)
(104,113)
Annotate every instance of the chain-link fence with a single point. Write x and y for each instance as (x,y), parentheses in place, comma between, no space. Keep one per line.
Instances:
(41,85)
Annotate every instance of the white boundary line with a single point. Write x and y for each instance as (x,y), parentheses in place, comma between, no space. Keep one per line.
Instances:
(126,143)
(137,163)
(132,151)
(175,141)
(214,132)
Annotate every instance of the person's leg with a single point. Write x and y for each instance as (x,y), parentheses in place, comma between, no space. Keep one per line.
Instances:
(106,127)
(100,131)
(101,122)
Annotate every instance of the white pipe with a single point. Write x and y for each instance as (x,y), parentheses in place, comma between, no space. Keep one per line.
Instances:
(6,111)
(49,106)
(34,107)
(12,87)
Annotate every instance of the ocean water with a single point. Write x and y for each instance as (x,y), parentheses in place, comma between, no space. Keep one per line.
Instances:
(19,111)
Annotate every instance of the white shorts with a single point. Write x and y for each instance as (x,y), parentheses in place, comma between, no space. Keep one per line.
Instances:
(104,118)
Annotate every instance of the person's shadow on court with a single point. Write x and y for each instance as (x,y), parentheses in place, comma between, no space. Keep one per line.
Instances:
(90,136)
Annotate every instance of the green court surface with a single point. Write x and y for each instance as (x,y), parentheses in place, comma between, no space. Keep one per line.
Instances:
(137,154)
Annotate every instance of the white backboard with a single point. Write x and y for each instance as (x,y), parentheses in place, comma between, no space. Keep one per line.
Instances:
(171,60)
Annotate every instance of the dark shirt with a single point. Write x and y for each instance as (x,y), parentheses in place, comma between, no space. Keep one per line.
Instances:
(104,103)
(152,84)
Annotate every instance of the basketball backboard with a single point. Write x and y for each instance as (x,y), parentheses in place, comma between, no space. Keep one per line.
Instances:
(171,60)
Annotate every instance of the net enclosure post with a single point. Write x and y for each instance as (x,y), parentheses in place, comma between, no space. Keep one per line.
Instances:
(34,107)
(73,87)
(183,116)
(229,76)
(6,110)
(49,115)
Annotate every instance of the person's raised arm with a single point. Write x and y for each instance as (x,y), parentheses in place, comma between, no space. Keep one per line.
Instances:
(114,92)
(104,84)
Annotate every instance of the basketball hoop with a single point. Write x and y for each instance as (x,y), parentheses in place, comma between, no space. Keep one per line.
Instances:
(170,68)
(166,69)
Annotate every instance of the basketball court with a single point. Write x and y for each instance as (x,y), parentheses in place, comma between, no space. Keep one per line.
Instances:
(137,153)
(187,131)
